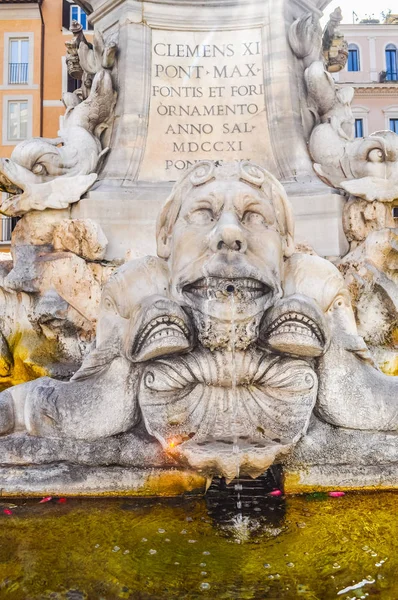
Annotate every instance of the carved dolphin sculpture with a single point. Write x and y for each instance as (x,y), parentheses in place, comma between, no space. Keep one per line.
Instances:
(305,38)
(96,109)
(364,167)
(39,167)
(32,194)
(108,381)
(353,393)
(101,55)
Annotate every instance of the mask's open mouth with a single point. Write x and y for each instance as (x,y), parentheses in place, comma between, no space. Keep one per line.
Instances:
(217,288)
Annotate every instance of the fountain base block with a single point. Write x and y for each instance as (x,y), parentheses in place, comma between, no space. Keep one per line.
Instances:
(326,459)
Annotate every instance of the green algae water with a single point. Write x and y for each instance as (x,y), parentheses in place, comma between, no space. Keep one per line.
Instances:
(309,547)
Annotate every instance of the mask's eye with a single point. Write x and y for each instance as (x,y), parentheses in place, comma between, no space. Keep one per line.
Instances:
(376,155)
(39,169)
(202,216)
(253,218)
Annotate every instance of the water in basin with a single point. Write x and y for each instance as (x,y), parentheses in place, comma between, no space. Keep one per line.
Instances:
(310,547)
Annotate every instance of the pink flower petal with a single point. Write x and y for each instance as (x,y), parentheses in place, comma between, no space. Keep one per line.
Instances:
(336,494)
(6,511)
(61,501)
(46,499)
(276,493)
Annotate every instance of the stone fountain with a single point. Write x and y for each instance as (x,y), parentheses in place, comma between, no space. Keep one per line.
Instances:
(145,355)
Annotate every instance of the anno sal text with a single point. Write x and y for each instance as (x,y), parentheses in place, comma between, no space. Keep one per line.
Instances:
(206,100)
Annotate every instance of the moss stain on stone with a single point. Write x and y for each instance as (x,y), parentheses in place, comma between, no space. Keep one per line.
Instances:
(30,353)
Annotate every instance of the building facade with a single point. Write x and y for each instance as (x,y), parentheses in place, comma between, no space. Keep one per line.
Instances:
(372,70)
(33,74)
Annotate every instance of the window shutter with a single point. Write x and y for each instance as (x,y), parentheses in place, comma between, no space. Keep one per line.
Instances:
(73,84)
(65,14)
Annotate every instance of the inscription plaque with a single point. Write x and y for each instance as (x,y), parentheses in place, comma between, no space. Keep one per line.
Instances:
(206,101)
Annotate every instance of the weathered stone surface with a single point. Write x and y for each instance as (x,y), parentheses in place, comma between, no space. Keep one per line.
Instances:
(330,458)
(367,167)
(335,47)
(129,221)
(142,25)
(361,218)
(349,477)
(74,480)
(126,450)
(325,445)
(370,271)
(84,238)
(352,392)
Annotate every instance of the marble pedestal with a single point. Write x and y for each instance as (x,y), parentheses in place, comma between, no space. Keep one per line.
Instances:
(199,80)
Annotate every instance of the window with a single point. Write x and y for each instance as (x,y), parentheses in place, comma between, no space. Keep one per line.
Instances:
(73,84)
(358,128)
(394,125)
(18,57)
(391,63)
(353,58)
(17,120)
(7,226)
(77,14)
(73,12)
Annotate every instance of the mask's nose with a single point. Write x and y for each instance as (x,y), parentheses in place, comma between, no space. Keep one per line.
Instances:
(228,234)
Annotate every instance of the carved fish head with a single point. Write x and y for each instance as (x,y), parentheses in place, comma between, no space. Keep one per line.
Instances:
(14,177)
(161,328)
(371,167)
(295,326)
(374,156)
(45,158)
(323,287)
(136,308)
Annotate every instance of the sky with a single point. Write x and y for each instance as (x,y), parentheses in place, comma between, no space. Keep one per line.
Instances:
(362,8)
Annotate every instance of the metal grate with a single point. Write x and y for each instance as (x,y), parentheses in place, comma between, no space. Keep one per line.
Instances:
(18,72)
(253,494)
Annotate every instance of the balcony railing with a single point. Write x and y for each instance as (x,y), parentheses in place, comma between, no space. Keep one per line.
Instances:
(18,72)
(7,224)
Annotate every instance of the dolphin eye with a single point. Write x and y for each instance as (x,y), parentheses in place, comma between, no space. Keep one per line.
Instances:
(39,169)
(108,305)
(339,302)
(376,155)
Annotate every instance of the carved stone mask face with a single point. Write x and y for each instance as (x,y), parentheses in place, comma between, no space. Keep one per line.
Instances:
(226,251)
